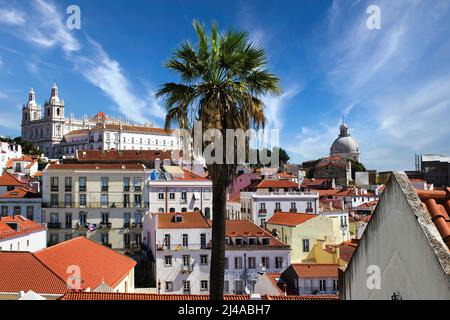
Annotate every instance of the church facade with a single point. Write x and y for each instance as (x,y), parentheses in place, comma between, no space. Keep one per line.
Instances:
(58,136)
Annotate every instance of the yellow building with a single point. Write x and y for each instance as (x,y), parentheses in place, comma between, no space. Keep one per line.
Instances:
(302,231)
(331,254)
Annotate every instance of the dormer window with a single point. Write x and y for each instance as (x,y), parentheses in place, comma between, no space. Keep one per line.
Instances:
(265,241)
(178,218)
(238,241)
(252,241)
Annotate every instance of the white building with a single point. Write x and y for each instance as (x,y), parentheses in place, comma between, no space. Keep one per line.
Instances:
(276,196)
(20,234)
(404,249)
(111,197)
(58,135)
(23,166)
(180,247)
(8,151)
(21,201)
(174,189)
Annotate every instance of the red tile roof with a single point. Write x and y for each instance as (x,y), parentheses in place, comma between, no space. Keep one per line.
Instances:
(20,193)
(290,219)
(142,296)
(325,192)
(246,228)
(277,283)
(314,270)
(437,203)
(97,262)
(22,271)
(189,175)
(346,250)
(155,296)
(190,220)
(8,179)
(277,184)
(100,166)
(25,226)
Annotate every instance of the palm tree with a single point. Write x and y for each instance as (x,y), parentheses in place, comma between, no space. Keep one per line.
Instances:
(223,78)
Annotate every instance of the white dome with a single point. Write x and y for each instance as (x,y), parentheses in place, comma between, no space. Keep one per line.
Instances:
(344,145)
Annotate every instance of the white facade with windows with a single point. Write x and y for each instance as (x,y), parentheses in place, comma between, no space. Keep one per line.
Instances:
(260,206)
(20,234)
(8,151)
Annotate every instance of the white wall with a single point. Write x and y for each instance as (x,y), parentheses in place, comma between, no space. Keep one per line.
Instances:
(27,242)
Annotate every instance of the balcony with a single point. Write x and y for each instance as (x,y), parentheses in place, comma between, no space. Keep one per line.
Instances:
(262,212)
(135,225)
(186,269)
(105,225)
(82,188)
(137,189)
(68,225)
(293,210)
(68,188)
(126,188)
(54,188)
(105,188)
(54,225)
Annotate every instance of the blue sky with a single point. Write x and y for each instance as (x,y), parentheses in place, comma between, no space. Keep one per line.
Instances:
(392,85)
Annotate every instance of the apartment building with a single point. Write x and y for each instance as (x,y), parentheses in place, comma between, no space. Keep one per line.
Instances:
(21,201)
(262,200)
(180,243)
(8,151)
(107,198)
(173,189)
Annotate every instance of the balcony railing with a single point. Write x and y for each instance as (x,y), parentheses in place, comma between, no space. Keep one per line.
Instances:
(180,247)
(105,188)
(82,188)
(54,188)
(262,212)
(126,188)
(54,225)
(68,188)
(105,225)
(293,210)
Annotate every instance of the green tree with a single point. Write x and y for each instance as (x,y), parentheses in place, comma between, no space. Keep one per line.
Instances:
(356,167)
(223,78)
(284,156)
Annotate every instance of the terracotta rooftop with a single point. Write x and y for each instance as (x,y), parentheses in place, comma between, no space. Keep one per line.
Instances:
(325,192)
(290,219)
(189,175)
(20,193)
(8,179)
(189,220)
(314,270)
(246,228)
(437,203)
(97,263)
(24,226)
(277,282)
(91,166)
(346,250)
(155,296)
(22,271)
(277,184)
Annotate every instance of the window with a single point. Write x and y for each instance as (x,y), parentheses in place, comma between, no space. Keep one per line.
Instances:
(68,184)
(204,259)
(265,262)
(204,285)
(126,219)
(18,168)
(104,236)
(309,206)
(293,207)
(167,241)
(82,184)
(278,262)
(17,211)
(186,260)
(137,184)
(263,223)
(82,217)
(226,287)
(322,285)
(251,262)
(104,200)
(169,286)
(68,220)
(168,261)
(104,183)
(305,245)
(126,240)
(186,287)
(4,211)
(238,287)
(183,195)
(161,195)
(126,184)
(30,212)
(172,210)
(206,194)
(207,213)
(238,262)
(203,241)
(335,285)
(126,200)
(54,181)
(226,262)
(138,200)
(185,241)
(68,200)
(105,218)
(82,200)
(54,199)
(172,195)
(277,206)
(262,206)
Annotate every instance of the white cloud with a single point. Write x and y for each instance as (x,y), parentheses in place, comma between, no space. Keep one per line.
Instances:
(274,106)
(11,17)
(48,30)
(392,83)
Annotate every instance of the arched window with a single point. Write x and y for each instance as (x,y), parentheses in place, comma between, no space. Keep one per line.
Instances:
(161,210)
(57,111)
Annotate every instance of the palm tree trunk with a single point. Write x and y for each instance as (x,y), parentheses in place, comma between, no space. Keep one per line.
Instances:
(218,241)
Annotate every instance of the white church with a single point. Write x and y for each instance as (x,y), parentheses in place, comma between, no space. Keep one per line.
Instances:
(59,136)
